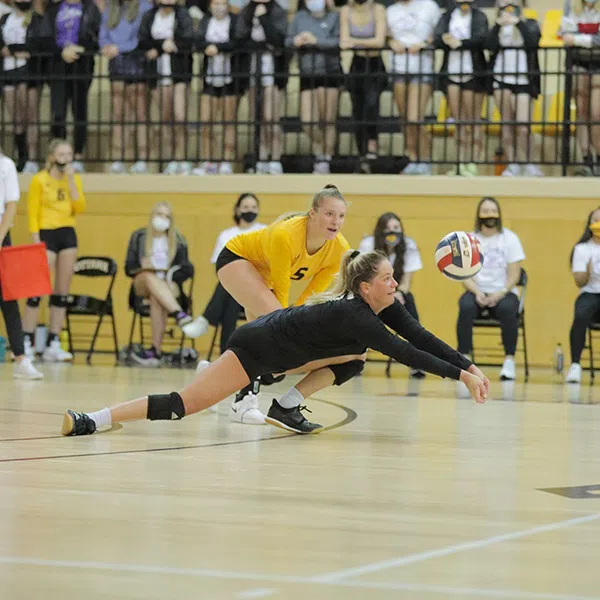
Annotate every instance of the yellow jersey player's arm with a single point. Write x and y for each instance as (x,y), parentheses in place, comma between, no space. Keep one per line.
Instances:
(34,205)
(78,201)
(280,263)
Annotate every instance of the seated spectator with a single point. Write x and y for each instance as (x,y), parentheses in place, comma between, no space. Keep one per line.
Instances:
(493,289)
(585,264)
(581,30)
(119,43)
(362,29)
(157,260)
(315,27)
(402,252)
(462,33)
(514,42)
(222,309)
(411,25)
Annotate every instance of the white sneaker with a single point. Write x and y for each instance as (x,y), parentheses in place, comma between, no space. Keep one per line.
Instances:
(117,167)
(196,328)
(574,374)
(172,168)
(412,168)
(78,166)
(508,369)
(185,168)
(321,167)
(246,411)
(139,168)
(24,369)
(206,168)
(202,366)
(512,170)
(533,171)
(29,349)
(54,353)
(262,168)
(31,167)
(225,168)
(275,168)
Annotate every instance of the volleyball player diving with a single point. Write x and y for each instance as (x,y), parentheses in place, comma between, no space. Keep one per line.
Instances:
(311,338)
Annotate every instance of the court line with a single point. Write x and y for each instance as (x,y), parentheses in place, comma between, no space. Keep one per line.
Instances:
(291,579)
(401,561)
(256,593)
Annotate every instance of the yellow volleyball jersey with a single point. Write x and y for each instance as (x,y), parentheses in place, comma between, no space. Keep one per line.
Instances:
(279,254)
(49,202)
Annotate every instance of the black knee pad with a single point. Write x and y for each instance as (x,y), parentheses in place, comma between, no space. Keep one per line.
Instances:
(165,407)
(33,302)
(59,300)
(270,379)
(346,371)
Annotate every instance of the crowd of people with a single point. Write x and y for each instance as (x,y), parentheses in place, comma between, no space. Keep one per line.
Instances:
(248,51)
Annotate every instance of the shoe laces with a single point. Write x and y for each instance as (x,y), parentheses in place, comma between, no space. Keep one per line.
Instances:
(303,407)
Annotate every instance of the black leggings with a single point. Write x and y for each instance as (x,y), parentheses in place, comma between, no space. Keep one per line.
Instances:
(365,84)
(587,311)
(224,310)
(12,317)
(70,84)
(506,311)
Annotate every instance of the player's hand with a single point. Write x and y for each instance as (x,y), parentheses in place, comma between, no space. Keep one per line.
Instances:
(5,52)
(169,47)
(397,47)
(69,171)
(474,370)
(110,51)
(416,48)
(69,54)
(152,54)
(481,299)
(494,298)
(475,386)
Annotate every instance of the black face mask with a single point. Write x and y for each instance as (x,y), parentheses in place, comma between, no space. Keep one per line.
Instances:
(23,6)
(360,1)
(249,216)
(60,166)
(392,238)
(489,221)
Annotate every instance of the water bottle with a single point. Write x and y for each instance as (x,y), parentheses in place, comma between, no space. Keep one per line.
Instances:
(2,349)
(559,359)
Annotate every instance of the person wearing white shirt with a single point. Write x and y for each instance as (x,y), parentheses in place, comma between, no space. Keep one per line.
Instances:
(411,24)
(493,289)
(585,264)
(9,197)
(402,251)
(222,309)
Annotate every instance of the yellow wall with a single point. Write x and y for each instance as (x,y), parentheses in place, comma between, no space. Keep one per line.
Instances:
(547,214)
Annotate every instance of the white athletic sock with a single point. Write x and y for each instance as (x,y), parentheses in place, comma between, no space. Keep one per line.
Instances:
(102,418)
(291,399)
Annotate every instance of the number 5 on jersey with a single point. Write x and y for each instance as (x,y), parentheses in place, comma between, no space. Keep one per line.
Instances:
(299,274)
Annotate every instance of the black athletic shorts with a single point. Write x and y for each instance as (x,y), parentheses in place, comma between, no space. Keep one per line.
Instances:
(225,257)
(249,340)
(60,239)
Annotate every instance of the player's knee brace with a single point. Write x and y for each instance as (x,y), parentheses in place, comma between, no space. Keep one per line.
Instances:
(33,302)
(59,300)
(165,407)
(346,371)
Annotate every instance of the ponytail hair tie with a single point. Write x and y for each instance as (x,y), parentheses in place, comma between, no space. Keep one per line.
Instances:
(354,255)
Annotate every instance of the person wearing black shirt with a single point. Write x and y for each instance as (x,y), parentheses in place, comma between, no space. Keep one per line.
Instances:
(346,321)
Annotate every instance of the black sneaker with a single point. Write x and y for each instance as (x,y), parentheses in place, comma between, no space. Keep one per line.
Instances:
(75,423)
(291,419)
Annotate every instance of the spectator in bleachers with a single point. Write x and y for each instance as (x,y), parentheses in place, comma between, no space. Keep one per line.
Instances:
(363,29)
(20,39)
(402,251)
(71,35)
(166,36)
(222,309)
(315,28)
(119,43)
(411,24)
(462,33)
(514,42)
(585,264)
(54,198)
(157,261)
(261,27)
(582,31)
(493,289)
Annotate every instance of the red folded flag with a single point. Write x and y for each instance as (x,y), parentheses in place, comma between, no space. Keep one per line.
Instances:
(24,272)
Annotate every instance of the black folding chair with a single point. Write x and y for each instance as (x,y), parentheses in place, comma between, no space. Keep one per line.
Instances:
(82,307)
(213,341)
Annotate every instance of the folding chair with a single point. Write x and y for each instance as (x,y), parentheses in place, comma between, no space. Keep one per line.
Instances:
(486,323)
(141,312)
(84,306)
(213,342)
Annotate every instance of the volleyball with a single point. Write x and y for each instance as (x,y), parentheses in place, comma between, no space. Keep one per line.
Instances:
(458,255)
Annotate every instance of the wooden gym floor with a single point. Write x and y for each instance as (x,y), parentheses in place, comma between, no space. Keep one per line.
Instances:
(413,492)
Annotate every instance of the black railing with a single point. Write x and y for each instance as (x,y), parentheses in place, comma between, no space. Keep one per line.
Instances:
(255,123)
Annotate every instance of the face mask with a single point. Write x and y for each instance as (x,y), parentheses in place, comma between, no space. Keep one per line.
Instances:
(315,6)
(163,5)
(489,221)
(465,6)
(512,9)
(360,1)
(248,216)
(23,6)
(161,223)
(60,165)
(595,228)
(392,238)
(219,11)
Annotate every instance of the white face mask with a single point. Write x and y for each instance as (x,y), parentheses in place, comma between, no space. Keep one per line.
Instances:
(315,6)
(160,223)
